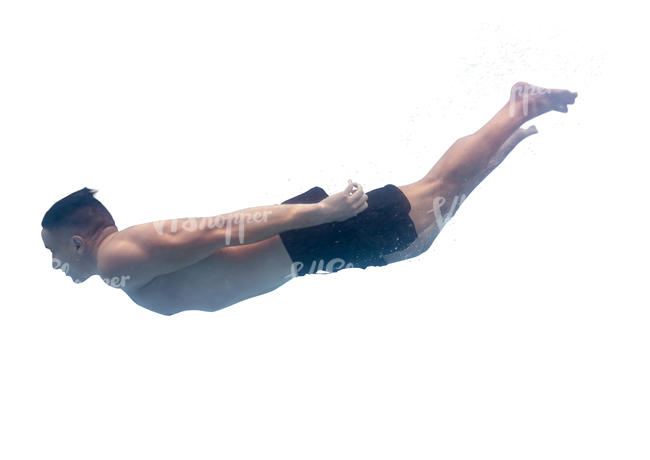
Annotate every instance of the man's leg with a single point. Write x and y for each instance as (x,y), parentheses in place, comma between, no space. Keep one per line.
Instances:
(436,197)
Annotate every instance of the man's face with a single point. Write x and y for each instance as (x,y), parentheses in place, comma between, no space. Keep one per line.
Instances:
(69,253)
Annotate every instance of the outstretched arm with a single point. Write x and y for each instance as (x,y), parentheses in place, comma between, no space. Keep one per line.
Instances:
(148,250)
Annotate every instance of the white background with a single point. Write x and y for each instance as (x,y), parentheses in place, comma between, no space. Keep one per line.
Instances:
(522,333)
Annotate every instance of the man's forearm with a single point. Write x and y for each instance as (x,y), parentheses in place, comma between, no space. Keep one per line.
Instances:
(256,224)
(245,226)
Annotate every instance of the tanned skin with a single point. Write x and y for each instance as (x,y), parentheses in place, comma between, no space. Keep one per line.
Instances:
(212,262)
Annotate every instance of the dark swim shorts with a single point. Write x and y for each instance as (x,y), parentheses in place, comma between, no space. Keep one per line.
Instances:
(361,241)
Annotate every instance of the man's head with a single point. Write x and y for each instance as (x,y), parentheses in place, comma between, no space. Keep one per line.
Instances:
(72,229)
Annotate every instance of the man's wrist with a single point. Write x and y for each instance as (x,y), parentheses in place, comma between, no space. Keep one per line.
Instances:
(304,215)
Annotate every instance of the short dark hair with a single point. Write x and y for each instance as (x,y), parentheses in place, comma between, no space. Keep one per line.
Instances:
(81,211)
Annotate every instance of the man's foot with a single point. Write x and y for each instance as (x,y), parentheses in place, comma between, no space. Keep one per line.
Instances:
(531,101)
(515,138)
(510,143)
(522,133)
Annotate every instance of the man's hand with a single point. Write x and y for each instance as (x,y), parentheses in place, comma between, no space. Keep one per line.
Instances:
(343,205)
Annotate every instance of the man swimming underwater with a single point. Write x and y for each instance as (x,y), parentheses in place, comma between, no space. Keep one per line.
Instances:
(211,263)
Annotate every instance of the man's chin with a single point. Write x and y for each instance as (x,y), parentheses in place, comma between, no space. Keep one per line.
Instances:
(77,280)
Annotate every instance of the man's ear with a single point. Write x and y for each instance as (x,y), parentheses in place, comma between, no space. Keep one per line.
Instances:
(78,242)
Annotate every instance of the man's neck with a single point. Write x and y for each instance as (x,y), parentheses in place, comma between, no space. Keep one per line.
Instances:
(104,237)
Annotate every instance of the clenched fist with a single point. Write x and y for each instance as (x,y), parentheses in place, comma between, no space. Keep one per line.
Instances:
(343,205)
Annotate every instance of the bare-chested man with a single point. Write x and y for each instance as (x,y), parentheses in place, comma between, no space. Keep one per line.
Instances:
(211,263)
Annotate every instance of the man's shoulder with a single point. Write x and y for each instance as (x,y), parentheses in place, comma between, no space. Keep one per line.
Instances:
(119,262)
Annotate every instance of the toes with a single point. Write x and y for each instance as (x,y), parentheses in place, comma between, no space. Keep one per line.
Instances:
(569,97)
(528,131)
(560,98)
(523,133)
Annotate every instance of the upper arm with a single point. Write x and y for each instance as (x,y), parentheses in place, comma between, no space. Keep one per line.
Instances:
(124,259)
(143,252)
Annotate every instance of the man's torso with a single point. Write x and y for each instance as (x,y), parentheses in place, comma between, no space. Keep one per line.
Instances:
(227,276)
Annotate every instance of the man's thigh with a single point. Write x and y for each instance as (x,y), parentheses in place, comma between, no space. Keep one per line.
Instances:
(432,206)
